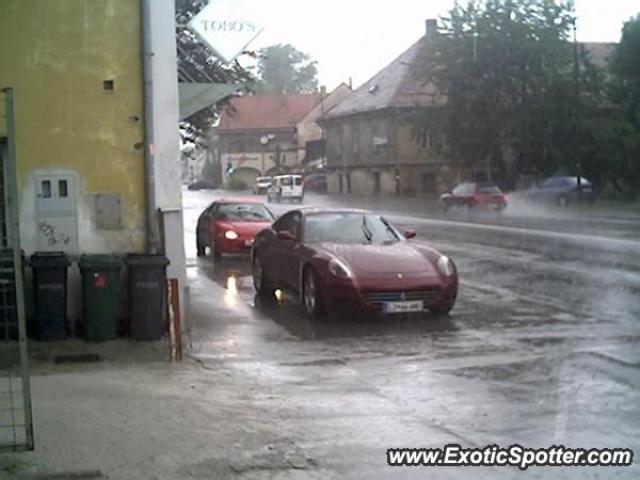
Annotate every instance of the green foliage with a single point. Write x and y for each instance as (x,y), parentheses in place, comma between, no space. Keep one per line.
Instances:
(625,68)
(283,69)
(236,184)
(617,142)
(507,70)
(620,145)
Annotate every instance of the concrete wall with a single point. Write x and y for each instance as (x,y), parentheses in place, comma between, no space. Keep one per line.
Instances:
(77,72)
(56,56)
(363,181)
(163,143)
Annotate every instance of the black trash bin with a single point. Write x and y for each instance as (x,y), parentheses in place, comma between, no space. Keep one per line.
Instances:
(8,309)
(50,293)
(147,296)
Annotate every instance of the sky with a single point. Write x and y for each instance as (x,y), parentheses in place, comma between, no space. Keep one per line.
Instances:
(356,38)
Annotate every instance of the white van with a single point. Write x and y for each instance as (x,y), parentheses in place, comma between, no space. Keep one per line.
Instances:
(286,187)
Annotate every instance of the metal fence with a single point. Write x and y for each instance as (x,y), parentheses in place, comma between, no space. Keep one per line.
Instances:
(16,427)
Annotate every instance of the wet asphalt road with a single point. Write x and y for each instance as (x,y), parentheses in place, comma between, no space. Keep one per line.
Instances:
(541,349)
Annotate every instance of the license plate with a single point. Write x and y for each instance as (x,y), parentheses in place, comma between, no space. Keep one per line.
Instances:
(402,307)
(248,243)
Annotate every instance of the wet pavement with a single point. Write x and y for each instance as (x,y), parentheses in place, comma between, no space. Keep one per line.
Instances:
(541,349)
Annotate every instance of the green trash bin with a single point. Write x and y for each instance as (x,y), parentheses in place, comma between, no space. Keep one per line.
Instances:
(101,296)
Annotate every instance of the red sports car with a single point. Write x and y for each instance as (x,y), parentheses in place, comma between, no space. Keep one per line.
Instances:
(229,225)
(351,260)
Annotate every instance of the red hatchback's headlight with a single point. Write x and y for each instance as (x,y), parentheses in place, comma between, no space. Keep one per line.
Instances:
(230,234)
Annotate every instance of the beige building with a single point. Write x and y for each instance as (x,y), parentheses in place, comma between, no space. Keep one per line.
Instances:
(257,134)
(310,135)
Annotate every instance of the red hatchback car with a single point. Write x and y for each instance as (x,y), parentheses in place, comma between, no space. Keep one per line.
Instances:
(229,225)
(472,195)
(351,260)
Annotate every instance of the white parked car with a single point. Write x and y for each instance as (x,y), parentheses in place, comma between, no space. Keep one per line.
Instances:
(261,185)
(286,187)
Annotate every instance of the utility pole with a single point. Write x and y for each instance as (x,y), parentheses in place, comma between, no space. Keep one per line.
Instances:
(576,119)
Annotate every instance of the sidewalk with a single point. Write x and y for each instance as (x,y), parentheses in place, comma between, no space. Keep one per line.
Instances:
(134,415)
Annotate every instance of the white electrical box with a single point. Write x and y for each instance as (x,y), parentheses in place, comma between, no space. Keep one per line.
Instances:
(56,213)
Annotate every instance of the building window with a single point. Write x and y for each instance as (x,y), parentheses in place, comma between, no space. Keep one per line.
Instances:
(62,188)
(424,138)
(46,189)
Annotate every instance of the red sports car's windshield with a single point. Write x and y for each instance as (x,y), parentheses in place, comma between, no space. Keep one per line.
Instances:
(245,212)
(349,228)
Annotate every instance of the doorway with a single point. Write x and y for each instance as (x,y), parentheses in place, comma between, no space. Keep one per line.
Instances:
(376,183)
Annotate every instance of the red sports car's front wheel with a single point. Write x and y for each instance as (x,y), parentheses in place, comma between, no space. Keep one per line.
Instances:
(443,310)
(310,294)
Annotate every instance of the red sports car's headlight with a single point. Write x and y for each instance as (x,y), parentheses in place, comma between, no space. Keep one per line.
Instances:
(445,266)
(339,268)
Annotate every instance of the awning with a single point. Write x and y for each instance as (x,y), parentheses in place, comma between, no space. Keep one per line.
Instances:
(196,96)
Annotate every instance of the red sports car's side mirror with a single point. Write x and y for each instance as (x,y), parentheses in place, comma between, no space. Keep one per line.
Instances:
(286,235)
(409,233)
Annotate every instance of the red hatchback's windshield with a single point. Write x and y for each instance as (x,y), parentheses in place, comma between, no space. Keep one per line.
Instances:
(488,189)
(246,212)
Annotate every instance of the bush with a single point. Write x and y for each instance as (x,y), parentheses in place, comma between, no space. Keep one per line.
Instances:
(236,184)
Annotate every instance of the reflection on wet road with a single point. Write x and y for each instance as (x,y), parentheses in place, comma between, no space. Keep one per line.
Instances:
(542,348)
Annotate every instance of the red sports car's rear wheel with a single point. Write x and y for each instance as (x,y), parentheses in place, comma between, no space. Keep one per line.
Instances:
(199,247)
(260,280)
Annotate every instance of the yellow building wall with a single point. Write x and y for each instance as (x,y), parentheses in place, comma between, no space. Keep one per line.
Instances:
(56,55)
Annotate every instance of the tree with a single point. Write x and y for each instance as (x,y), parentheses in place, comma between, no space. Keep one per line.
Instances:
(619,141)
(625,68)
(283,69)
(507,70)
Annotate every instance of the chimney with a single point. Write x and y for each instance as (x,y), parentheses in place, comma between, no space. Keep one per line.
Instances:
(323,90)
(431,25)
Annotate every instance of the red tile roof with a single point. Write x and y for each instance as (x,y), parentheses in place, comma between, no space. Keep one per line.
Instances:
(258,112)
